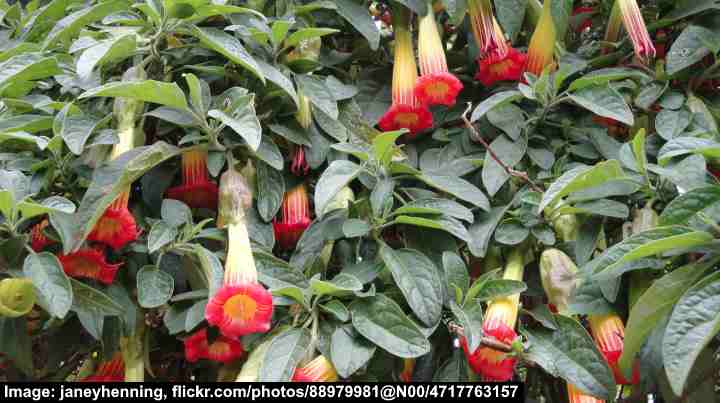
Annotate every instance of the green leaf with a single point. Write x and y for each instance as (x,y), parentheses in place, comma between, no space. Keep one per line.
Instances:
(380,320)
(437,207)
(470,317)
(496,100)
(359,17)
(160,235)
(354,228)
(106,52)
(670,124)
(243,122)
(686,206)
(71,25)
(55,294)
(510,153)
(688,145)
(277,273)
(308,33)
(349,351)
(228,46)
(570,353)
(647,243)
(457,187)
(283,355)
(418,6)
(157,92)
(580,178)
(154,287)
(175,213)
(77,129)
(688,49)
(511,233)
(29,209)
(443,223)
(604,101)
(27,67)
(337,309)
(337,175)
(271,190)
(606,75)
(498,288)
(694,322)
(320,95)
(180,117)
(482,230)
(456,272)
(653,305)
(650,94)
(384,146)
(340,285)
(418,279)
(510,15)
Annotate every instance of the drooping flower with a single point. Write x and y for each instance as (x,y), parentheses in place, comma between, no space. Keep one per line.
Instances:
(89,263)
(109,371)
(242,305)
(436,85)
(488,34)
(117,227)
(628,13)
(299,165)
(496,66)
(406,110)
(577,396)
(408,369)
(542,43)
(609,334)
(320,369)
(294,218)
(583,14)
(499,323)
(38,239)
(223,349)
(196,190)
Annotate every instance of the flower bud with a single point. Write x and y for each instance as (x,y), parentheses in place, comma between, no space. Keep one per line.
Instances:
(558,274)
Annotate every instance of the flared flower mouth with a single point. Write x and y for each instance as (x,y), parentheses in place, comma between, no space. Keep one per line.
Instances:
(413,118)
(408,369)
(38,239)
(116,228)
(90,264)
(196,190)
(486,30)
(294,218)
(240,309)
(299,165)
(440,88)
(575,395)
(491,364)
(109,371)
(320,369)
(609,334)
(542,42)
(223,349)
(496,66)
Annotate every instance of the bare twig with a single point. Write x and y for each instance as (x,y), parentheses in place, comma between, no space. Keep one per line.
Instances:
(478,138)
(487,341)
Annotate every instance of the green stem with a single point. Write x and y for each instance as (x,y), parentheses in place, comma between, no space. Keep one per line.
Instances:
(515,267)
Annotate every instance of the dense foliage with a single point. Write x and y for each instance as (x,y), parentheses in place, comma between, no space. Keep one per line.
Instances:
(269,190)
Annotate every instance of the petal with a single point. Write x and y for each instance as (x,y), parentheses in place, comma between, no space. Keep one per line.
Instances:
(89,263)
(198,195)
(116,228)
(438,89)
(401,116)
(240,309)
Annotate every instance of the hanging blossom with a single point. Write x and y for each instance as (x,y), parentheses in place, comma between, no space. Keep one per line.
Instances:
(497,61)
(609,334)
(196,190)
(89,263)
(299,165)
(436,85)
(499,323)
(222,349)
(116,228)
(542,42)
(320,369)
(575,395)
(38,239)
(294,218)
(628,13)
(242,305)
(408,369)
(109,371)
(406,110)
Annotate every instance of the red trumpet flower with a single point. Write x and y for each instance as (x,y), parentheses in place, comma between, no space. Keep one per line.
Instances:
(436,85)
(223,349)
(320,369)
(109,371)
(294,218)
(89,263)
(116,228)
(609,334)
(542,42)
(299,165)
(577,396)
(584,14)
(196,190)
(406,110)
(497,66)
(38,239)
